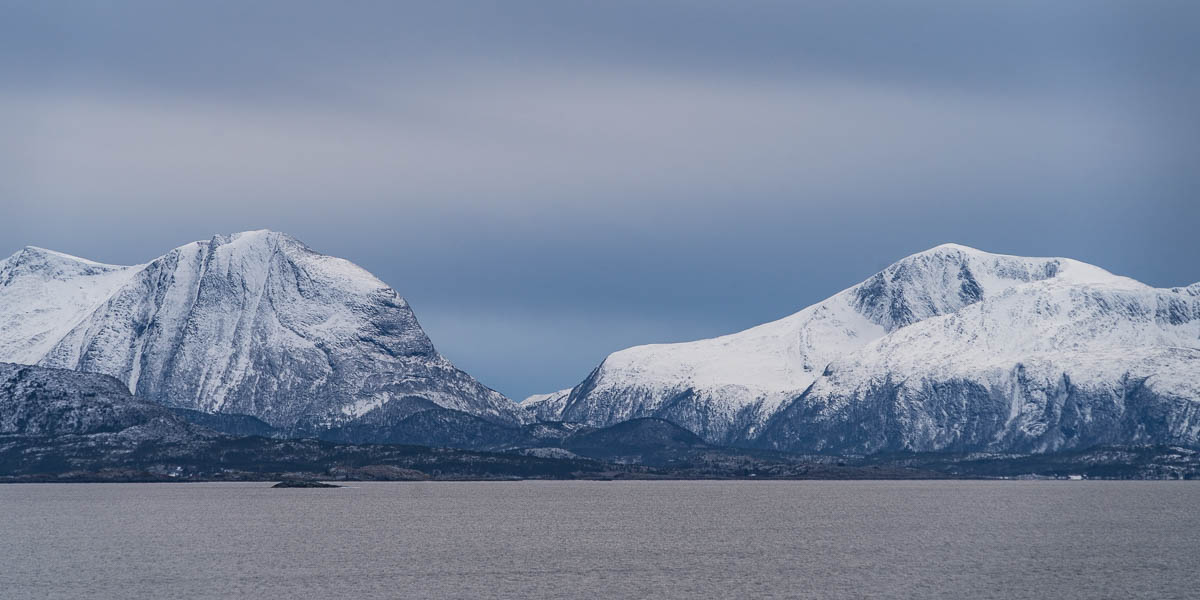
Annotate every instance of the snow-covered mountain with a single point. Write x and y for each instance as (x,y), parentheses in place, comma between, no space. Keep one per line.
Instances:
(951,348)
(252,323)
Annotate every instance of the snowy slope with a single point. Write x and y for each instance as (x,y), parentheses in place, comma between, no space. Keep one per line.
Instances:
(253,323)
(45,294)
(1044,366)
(546,407)
(922,314)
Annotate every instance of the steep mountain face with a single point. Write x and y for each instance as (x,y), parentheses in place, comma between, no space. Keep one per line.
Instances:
(253,323)
(951,348)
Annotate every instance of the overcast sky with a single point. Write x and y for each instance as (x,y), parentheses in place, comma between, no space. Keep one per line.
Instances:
(548,182)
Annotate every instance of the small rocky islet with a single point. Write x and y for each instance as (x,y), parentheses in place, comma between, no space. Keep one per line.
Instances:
(303,483)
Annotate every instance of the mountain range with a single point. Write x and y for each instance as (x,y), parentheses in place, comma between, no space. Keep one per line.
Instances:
(949,350)
(61,425)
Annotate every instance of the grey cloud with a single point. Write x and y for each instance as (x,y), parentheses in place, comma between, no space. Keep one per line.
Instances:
(266,44)
(548,182)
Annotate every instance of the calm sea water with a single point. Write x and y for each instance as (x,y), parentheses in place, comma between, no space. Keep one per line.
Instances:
(603,540)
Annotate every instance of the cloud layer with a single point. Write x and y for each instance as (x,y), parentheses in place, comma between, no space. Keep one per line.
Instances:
(549,182)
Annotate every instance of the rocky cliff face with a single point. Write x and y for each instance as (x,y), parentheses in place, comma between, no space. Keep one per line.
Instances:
(948,349)
(254,323)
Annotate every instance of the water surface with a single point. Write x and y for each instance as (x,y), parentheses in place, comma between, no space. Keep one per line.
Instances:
(958,539)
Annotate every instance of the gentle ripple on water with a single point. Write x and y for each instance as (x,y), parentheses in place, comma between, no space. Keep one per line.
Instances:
(805,539)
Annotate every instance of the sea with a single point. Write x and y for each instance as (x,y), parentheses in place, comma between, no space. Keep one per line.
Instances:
(603,539)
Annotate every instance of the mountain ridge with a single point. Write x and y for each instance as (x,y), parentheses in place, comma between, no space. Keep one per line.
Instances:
(734,388)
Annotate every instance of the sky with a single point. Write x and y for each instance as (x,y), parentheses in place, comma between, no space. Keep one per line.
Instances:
(549,182)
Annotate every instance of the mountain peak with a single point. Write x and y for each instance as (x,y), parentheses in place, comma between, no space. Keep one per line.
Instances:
(245,240)
(953,247)
(942,280)
(251,237)
(960,253)
(52,262)
(257,232)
